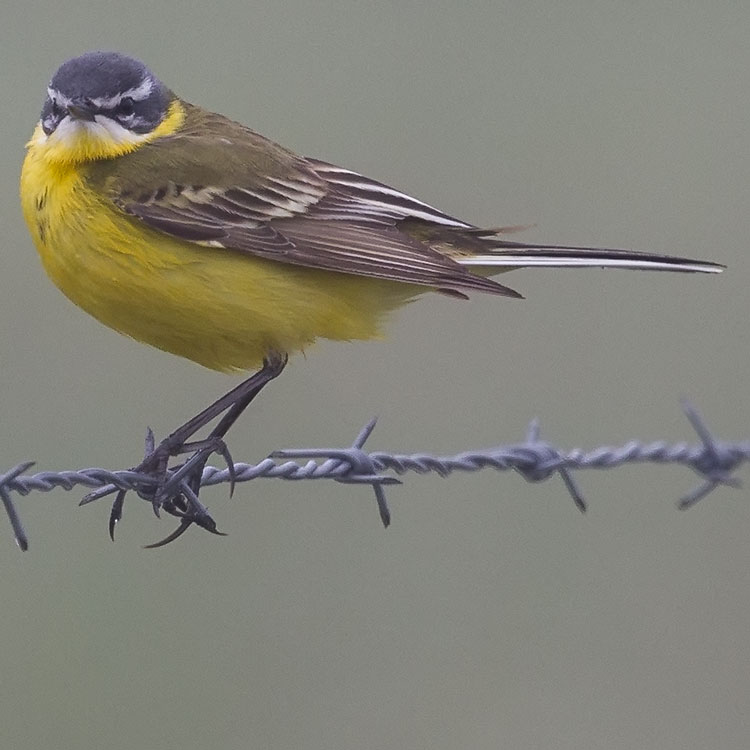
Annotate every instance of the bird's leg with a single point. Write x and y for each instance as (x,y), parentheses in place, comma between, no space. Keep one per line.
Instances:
(234,403)
(177,490)
(214,442)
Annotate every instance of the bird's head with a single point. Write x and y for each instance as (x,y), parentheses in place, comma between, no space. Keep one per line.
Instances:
(102,105)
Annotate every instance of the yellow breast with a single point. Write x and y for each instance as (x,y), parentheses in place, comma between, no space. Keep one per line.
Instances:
(223,309)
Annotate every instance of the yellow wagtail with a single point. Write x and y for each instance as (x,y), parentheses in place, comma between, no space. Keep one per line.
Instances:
(192,233)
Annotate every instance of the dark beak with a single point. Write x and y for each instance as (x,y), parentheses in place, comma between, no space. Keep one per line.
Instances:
(81,112)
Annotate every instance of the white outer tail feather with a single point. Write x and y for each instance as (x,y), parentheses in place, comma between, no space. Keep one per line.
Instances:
(520,260)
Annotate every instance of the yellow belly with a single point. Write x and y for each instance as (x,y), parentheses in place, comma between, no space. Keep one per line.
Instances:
(222,309)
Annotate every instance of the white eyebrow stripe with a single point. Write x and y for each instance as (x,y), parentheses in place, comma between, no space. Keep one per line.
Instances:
(137,93)
(59,98)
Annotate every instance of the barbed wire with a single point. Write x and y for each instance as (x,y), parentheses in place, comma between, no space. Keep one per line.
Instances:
(534,459)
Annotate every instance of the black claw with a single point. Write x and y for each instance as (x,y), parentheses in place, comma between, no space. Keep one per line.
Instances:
(176,534)
(191,496)
(223,450)
(115,514)
(203,519)
(208,523)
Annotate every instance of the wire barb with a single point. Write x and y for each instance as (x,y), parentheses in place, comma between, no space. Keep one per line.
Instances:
(717,464)
(534,459)
(10,509)
(358,467)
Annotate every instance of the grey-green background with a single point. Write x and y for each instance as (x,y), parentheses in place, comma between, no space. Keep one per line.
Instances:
(491,614)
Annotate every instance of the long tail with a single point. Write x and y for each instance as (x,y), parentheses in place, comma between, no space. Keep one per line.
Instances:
(519,255)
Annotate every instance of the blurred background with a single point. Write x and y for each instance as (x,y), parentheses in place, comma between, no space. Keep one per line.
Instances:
(491,613)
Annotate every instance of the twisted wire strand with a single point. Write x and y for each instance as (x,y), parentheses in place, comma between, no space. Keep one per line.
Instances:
(535,459)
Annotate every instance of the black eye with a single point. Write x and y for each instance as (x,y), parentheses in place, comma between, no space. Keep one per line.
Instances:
(55,109)
(125,108)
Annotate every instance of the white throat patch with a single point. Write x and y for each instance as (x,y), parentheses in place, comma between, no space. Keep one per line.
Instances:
(102,128)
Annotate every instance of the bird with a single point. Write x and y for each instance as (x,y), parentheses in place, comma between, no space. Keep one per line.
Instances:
(188,231)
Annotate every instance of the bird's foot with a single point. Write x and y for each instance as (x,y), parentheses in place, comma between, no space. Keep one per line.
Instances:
(175,489)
